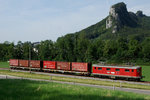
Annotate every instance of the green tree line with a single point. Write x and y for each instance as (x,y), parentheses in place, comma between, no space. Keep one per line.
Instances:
(79,49)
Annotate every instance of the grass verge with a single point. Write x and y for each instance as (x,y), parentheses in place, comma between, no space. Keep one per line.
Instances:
(4,65)
(66,79)
(33,90)
(146,73)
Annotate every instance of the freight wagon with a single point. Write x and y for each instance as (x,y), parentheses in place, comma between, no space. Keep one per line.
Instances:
(23,64)
(63,66)
(50,66)
(13,63)
(70,67)
(80,67)
(36,64)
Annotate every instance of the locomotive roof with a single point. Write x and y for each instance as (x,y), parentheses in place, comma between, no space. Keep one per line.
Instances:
(128,67)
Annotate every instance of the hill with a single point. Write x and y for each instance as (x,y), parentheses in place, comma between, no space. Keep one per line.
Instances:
(120,22)
(121,35)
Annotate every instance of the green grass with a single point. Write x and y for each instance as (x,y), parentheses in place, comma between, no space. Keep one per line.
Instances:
(32,90)
(146,73)
(67,79)
(4,65)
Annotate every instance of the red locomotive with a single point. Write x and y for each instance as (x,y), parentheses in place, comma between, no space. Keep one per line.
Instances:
(128,72)
(121,72)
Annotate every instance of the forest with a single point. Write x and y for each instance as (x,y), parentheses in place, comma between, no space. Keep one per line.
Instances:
(80,49)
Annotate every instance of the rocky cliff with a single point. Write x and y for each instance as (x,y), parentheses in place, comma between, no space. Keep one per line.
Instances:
(119,17)
(120,22)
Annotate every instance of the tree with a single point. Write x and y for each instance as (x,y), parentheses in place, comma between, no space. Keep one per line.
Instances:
(122,49)
(133,49)
(65,48)
(95,51)
(82,47)
(146,49)
(110,49)
(18,50)
(46,50)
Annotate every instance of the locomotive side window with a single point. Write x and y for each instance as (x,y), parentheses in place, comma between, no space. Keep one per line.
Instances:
(95,67)
(108,69)
(132,70)
(117,69)
(127,70)
(138,70)
(99,68)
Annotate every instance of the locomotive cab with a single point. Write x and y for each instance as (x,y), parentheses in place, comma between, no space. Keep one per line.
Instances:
(139,72)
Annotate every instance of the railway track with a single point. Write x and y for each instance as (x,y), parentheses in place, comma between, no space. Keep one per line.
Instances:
(4,68)
(79,77)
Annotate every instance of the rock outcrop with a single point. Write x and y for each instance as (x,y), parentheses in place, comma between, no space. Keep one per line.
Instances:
(139,14)
(119,16)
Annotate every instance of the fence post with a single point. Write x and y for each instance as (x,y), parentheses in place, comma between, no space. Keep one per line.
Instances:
(50,77)
(113,86)
(120,85)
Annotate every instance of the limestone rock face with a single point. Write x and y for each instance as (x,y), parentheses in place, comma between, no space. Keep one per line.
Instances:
(109,23)
(118,17)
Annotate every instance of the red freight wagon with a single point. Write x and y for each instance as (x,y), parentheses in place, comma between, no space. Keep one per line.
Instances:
(81,67)
(49,65)
(14,62)
(35,64)
(134,72)
(23,63)
(63,66)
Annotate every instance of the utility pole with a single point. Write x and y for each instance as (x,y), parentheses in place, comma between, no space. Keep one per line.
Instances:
(31,47)
(29,57)
(76,47)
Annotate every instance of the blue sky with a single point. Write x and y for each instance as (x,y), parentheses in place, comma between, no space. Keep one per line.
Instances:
(36,20)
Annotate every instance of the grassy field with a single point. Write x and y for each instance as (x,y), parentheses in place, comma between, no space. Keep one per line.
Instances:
(4,65)
(76,80)
(32,90)
(146,73)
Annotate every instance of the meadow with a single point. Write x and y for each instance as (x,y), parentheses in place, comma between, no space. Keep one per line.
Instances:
(146,73)
(33,90)
(4,65)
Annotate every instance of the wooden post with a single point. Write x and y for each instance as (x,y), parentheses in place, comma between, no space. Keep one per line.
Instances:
(50,77)
(113,86)
(29,58)
(120,85)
